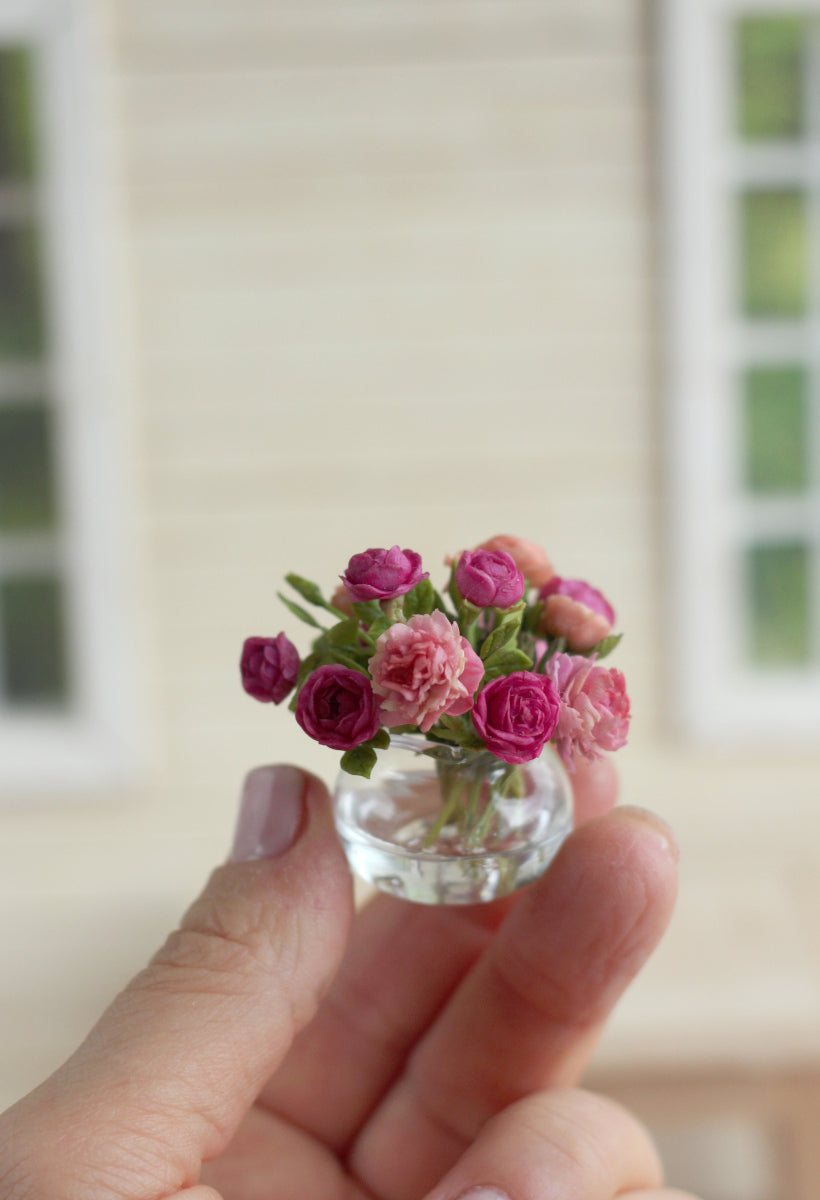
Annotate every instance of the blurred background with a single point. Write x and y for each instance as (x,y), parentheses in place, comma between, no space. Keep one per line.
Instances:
(280,281)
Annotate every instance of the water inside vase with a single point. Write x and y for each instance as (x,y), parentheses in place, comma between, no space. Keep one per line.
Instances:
(388,827)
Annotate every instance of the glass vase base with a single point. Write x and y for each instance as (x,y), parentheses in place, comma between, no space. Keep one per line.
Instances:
(454,830)
(448,879)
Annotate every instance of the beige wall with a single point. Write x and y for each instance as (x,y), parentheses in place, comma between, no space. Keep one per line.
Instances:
(394,281)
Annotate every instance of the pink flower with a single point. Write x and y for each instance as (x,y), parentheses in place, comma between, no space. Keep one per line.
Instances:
(382,574)
(575,611)
(530,559)
(337,707)
(594,714)
(489,578)
(269,667)
(424,669)
(516,715)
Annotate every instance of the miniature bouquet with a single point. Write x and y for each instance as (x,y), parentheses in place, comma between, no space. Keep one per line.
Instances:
(501,669)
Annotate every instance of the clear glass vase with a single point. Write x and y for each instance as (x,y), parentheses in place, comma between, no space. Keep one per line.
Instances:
(441,825)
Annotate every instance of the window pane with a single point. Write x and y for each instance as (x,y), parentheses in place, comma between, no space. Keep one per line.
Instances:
(771,76)
(779,604)
(21,313)
(34,658)
(16,117)
(776,429)
(27,500)
(775,253)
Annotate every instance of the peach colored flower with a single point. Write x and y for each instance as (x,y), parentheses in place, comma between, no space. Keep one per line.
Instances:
(423,669)
(341,600)
(575,611)
(530,559)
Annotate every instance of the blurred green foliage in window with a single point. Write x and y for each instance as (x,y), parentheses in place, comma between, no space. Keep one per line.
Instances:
(34,648)
(779,604)
(775,429)
(771,70)
(16,115)
(27,492)
(21,302)
(774,243)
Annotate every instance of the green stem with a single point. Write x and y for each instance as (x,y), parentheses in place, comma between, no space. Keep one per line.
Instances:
(450,803)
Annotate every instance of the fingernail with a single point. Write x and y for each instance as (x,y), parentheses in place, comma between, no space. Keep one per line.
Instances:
(647,817)
(484,1193)
(270,813)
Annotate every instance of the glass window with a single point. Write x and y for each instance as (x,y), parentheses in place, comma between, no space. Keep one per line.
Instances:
(771,76)
(776,429)
(32,607)
(779,607)
(774,253)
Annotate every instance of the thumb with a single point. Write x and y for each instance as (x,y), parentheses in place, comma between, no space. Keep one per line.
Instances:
(165,1077)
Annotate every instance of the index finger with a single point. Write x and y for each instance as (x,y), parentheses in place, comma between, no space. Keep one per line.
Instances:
(527,1015)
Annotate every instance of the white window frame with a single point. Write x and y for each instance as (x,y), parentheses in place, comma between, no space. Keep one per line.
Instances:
(718,694)
(97,742)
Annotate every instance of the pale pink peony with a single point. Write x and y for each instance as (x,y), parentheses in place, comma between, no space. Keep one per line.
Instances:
(424,669)
(594,716)
(530,559)
(575,611)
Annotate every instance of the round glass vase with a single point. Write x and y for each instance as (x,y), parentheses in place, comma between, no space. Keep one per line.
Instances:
(441,825)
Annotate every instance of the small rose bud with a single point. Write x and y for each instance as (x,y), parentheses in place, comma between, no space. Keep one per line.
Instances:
(382,574)
(489,578)
(576,612)
(269,667)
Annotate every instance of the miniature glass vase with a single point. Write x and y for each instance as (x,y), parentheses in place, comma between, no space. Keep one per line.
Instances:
(438,824)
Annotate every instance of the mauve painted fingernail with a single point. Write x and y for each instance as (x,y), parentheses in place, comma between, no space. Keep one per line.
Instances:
(270,813)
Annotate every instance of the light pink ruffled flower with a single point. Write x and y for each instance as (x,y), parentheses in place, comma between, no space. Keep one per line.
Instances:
(575,611)
(594,716)
(424,669)
(530,559)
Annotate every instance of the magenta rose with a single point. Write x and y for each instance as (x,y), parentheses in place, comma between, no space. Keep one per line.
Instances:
(516,715)
(530,559)
(594,714)
(575,611)
(337,707)
(489,578)
(269,667)
(382,574)
(423,669)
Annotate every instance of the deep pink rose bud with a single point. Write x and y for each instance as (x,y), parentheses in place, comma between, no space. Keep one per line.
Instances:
(489,578)
(338,708)
(382,574)
(516,715)
(575,611)
(269,667)
(594,714)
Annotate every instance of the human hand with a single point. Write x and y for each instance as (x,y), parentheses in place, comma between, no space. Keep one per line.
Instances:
(277,1049)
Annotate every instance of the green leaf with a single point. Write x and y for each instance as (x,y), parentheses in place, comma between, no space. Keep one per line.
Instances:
(532,617)
(368,611)
(359,761)
(606,646)
(344,634)
(346,660)
(307,590)
(505,662)
(379,626)
(305,667)
(299,612)
(422,599)
(505,633)
(381,741)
